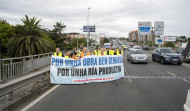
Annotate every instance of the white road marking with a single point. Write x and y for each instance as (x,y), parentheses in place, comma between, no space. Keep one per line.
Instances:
(175,75)
(170,73)
(186,65)
(39,98)
(186,80)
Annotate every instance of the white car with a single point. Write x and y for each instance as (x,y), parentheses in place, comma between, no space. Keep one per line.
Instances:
(137,56)
(136,47)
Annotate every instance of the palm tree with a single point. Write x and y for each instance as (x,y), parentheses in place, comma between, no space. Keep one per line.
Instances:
(28,39)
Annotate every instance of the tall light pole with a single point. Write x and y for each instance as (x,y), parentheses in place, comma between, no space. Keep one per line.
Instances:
(87,27)
(77,39)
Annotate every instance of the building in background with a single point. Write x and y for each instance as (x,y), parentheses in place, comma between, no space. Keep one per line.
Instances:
(133,36)
(75,35)
(95,37)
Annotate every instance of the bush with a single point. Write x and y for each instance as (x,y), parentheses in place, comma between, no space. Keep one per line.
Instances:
(155,45)
(169,44)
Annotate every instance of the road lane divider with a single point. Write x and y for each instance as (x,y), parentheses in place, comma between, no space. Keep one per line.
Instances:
(171,73)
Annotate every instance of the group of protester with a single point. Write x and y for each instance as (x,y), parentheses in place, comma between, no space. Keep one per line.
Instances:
(77,54)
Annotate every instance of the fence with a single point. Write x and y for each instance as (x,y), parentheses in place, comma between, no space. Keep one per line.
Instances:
(12,67)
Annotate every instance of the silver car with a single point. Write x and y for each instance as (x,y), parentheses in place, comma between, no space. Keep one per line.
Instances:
(137,56)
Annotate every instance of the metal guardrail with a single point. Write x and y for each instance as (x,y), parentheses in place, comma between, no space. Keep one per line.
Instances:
(12,67)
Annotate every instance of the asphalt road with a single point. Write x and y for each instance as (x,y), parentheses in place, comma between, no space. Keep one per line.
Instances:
(123,94)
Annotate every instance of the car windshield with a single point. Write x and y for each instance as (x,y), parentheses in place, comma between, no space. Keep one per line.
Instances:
(137,52)
(166,51)
(137,48)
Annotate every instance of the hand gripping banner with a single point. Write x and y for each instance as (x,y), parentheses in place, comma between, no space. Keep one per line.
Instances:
(86,70)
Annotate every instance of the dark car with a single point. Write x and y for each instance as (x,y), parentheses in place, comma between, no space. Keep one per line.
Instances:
(146,47)
(166,55)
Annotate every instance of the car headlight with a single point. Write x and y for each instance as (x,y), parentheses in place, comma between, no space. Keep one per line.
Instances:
(166,56)
(133,57)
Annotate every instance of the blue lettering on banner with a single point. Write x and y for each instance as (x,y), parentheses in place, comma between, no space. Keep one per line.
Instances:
(61,62)
(84,62)
(57,62)
(89,69)
(52,61)
(103,61)
(88,62)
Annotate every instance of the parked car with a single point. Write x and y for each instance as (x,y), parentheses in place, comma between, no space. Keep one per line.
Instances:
(136,47)
(146,47)
(137,55)
(166,55)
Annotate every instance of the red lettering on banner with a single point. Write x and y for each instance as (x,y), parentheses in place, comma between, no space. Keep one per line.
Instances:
(93,79)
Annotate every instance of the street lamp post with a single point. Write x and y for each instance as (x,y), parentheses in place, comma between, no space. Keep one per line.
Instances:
(87,27)
(77,40)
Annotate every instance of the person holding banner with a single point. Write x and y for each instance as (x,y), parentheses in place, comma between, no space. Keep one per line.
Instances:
(73,56)
(58,53)
(99,50)
(81,49)
(67,54)
(110,51)
(105,52)
(84,53)
(95,52)
(115,52)
(77,54)
(119,51)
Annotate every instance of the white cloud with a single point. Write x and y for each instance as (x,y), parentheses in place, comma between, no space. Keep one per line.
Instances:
(114,17)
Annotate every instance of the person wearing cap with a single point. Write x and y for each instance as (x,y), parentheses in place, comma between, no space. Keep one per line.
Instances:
(84,53)
(81,49)
(58,53)
(67,54)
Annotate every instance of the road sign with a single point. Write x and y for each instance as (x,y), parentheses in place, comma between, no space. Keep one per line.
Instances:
(159,28)
(89,28)
(144,28)
(159,40)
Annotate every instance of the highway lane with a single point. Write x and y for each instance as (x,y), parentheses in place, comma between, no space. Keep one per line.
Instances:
(123,94)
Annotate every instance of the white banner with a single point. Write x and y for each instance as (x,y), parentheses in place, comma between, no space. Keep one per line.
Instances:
(169,38)
(85,70)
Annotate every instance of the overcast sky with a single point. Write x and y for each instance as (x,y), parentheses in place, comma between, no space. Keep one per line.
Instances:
(112,17)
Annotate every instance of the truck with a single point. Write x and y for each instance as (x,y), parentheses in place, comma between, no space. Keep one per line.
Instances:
(107,45)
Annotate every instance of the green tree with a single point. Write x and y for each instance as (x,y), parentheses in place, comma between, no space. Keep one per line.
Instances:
(80,41)
(169,44)
(6,32)
(59,37)
(28,39)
